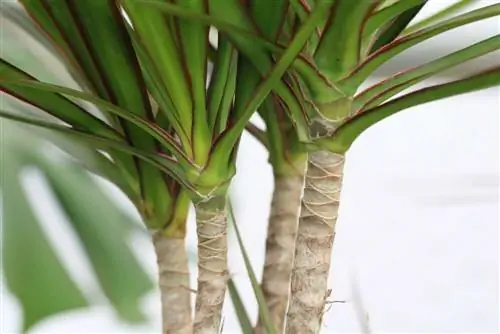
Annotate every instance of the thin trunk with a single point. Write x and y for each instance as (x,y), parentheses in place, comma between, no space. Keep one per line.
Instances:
(280,247)
(211,219)
(314,243)
(174,284)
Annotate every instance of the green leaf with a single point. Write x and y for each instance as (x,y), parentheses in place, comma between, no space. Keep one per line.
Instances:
(222,84)
(230,137)
(366,68)
(194,45)
(84,155)
(52,103)
(394,29)
(113,71)
(32,270)
(442,14)
(159,41)
(55,19)
(161,162)
(261,61)
(386,89)
(349,131)
(257,133)
(241,312)
(15,13)
(156,87)
(263,310)
(382,17)
(339,49)
(244,29)
(239,28)
(102,23)
(100,226)
(150,128)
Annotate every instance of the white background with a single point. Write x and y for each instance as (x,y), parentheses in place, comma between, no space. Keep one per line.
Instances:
(418,231)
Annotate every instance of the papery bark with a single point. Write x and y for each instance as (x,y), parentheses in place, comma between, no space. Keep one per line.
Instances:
(174,283)
(280,247)
(211,219)
(315,235)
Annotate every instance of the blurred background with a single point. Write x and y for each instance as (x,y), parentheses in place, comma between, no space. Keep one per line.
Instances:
(417,241)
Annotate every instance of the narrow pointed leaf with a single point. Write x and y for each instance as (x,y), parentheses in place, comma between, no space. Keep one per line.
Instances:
(378,58)
(160,43)
(348,132)
(241,312)
(236,28)
(154,82)
(395,84)
(339,50)
(150,128)
(440,15)
(387,14)
(14,12)
(394,29)
(194,45)
(220,83)
(162,163)
(230,137)
(258,134)
(263,310)
(101,23)
(55,18)
(261,61)
(87,157)
(51,102)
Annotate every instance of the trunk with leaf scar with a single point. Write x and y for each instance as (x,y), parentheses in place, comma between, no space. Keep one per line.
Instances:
(280,247)
(316,232)
(174,284)
(211,220)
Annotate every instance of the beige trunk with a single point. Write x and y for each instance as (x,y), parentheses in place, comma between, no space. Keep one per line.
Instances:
(174,284)
(211,219)
(280,247)
(314,243)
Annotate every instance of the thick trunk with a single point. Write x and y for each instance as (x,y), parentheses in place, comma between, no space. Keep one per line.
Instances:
(211,219)
(314,242)
(280,247)
(174,284)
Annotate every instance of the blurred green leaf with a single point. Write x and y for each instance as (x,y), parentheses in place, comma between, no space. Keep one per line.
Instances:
(33,272)
(103,230)
(263,310)
(241,312)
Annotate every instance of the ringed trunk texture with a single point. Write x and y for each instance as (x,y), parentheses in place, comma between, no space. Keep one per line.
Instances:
(211,220)
(280,247)
(313,250)
(174,284)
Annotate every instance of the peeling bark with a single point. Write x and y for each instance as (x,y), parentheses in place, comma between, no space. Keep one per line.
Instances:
(316,232)
(211,219)
(174,284)
(280,247)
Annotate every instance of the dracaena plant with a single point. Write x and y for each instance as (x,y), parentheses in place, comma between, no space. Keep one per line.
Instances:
(169,138)
(172,136)
(330,112)
(352,40)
